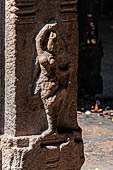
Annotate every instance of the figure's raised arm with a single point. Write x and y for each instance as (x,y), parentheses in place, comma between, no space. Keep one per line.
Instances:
(42,36)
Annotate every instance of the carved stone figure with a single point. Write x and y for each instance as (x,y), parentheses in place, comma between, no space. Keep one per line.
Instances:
(40,86)
(46,70)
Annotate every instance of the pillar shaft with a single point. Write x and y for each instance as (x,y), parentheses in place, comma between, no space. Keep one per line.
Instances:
(41,58)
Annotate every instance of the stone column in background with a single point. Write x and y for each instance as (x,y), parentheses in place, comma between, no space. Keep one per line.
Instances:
(41,49)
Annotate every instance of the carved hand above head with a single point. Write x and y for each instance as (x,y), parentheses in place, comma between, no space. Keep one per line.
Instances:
(51,42)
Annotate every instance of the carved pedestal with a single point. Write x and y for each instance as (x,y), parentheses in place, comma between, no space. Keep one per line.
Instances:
(41,48)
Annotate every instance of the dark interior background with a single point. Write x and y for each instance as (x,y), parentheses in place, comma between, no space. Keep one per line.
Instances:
(95,61)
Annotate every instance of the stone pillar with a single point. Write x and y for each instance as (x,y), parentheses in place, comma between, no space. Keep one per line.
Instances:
(2,65)
(2,68)
(41,49)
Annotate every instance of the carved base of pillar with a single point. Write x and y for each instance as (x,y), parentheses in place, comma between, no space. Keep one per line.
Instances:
(58,152)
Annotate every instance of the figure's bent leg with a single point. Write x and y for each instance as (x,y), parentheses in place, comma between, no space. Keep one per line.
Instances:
(51,127)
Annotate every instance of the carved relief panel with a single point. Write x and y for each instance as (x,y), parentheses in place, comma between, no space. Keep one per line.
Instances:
(41,130)
(46,66)
(26,11)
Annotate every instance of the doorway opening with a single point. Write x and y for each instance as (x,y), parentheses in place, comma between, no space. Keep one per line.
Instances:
(95,60)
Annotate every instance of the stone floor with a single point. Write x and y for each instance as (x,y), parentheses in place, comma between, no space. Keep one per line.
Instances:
(98,142)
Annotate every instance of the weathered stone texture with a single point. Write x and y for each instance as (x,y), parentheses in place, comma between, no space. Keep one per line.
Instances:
(10,68)
(1,65)
(41,48)
(23,23)
(59,152)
